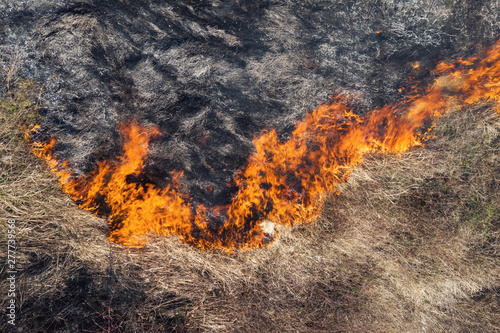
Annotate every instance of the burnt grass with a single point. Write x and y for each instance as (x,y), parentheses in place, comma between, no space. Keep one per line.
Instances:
(410,244)
(212,74)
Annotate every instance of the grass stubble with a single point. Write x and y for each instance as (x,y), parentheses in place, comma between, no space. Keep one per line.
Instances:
(411,244)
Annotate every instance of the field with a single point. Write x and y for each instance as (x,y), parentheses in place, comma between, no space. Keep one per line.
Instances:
(410,244)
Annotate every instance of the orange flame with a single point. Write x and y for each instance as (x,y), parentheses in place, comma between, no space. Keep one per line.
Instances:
(284,182)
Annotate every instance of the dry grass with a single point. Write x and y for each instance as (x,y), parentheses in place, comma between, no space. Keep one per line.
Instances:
(411,244)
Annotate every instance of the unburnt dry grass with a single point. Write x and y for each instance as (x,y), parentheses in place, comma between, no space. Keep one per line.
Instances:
(411,244)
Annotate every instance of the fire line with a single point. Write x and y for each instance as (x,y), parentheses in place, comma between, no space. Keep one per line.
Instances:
(283,182)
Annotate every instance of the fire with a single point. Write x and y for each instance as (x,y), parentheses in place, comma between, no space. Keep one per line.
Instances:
(283,182)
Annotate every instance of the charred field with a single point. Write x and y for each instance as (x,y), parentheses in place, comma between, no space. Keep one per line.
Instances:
(405,237)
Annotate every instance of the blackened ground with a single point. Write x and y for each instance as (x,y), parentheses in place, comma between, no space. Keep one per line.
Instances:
(211,74)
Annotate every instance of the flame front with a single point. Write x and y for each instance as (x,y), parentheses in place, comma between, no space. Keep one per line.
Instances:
(284,182)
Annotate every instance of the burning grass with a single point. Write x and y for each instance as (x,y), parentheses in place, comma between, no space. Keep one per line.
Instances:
(411,244)
(284,182)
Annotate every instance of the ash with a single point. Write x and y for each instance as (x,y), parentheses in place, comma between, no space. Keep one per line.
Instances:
(212,74)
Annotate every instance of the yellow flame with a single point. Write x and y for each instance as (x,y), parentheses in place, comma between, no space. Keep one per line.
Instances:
(284,182)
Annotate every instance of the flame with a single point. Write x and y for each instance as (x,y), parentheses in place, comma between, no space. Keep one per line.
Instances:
(283,182)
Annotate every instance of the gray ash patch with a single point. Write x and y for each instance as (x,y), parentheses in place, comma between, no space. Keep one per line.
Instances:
(211,74)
